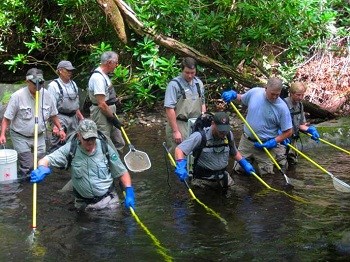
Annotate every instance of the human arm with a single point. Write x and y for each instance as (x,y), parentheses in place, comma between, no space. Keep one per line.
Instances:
(312,130)
(125,179)
(5,123)
(56,122)
(41,172)
(244,163)
(230,95)
(79,115)
(272,143)
(171,116)
(181,164)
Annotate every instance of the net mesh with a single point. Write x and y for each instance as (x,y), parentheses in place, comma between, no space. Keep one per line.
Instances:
(340,185)
(137,161)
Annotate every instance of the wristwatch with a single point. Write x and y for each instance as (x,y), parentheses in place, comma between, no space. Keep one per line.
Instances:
(61,129)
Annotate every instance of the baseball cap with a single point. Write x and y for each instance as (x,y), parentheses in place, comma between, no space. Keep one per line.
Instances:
(65,64)
(87,129)
(222,121)
(35,74)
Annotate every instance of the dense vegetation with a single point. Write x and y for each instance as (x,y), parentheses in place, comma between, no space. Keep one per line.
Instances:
(255,36)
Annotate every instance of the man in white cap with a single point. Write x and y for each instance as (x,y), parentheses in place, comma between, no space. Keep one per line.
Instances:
(66,96)
(20,117)
(211,148)
(92,170)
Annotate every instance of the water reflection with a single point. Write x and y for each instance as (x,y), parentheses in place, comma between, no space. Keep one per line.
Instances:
(262,225)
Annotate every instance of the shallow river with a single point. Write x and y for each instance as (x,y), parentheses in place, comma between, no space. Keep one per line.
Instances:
(252,223)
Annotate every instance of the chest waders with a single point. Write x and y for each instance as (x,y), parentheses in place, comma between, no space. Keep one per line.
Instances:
(188,106)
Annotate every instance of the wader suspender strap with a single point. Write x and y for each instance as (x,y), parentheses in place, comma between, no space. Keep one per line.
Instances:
(197,153)
(183,91)
(74,144)
(101,75)
(60,87)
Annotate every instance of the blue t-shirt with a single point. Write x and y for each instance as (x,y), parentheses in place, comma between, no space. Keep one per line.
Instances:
(265,117)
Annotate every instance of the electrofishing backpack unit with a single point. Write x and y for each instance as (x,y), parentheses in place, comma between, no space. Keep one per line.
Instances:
(203,121)
(74,145)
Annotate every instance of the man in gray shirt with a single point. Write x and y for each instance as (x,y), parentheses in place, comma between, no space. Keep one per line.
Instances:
(20,117)
(216,145)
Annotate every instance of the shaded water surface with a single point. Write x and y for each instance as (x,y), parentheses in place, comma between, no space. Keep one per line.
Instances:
(262,225)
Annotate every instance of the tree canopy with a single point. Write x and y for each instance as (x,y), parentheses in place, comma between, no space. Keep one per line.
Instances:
(237,42)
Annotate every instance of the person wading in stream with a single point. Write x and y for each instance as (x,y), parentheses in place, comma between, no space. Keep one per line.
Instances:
(65,93)
(296,108)
(184,99)
(92,172)
(103,99)
(20,117)
(211,148)
(267,115)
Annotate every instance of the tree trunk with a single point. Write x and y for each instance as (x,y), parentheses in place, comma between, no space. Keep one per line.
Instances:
(130,19)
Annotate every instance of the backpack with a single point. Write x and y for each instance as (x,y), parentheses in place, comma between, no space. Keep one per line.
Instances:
(74,145)
(201,122)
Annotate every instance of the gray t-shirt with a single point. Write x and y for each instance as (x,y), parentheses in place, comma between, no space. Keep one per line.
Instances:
(99,84)
(173,92)
(215,155)
(264,117)
(90,173)
(21,111)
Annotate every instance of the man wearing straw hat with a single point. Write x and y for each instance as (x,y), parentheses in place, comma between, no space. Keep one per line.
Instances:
(65,93)
(269,118)
(92,170)
(20,117)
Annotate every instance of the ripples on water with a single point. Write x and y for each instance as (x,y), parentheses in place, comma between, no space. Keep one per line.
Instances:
(262,225)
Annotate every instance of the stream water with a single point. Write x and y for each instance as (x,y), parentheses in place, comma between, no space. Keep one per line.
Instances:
(253,223)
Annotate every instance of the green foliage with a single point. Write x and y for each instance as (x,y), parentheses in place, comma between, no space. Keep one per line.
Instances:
(6,97)
(234,32)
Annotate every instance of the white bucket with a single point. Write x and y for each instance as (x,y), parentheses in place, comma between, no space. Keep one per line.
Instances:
(8,165)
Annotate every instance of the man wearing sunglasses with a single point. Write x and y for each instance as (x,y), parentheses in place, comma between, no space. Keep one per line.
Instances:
(20,117)
(92,172)
(66,96)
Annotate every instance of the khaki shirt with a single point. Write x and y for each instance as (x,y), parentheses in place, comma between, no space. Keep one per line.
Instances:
(21,111)
(92,175)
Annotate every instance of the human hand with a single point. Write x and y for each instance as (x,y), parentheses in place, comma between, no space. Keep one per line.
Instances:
(271,143)
(115,122)
(39,174)
(180,169)
(248,168)
(177,137)
(55,131)
(227,96)
(285,142)
(313,132)
(2,139)
(129,197)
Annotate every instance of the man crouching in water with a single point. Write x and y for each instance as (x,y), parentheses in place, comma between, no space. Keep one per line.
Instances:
(92,170)
(211,149)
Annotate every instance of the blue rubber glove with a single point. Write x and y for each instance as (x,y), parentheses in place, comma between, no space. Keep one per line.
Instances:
(129,197)
(39,174)
(271,143)
(181,169)
(248,168)
(313,132)
(285,142)
(228,96)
